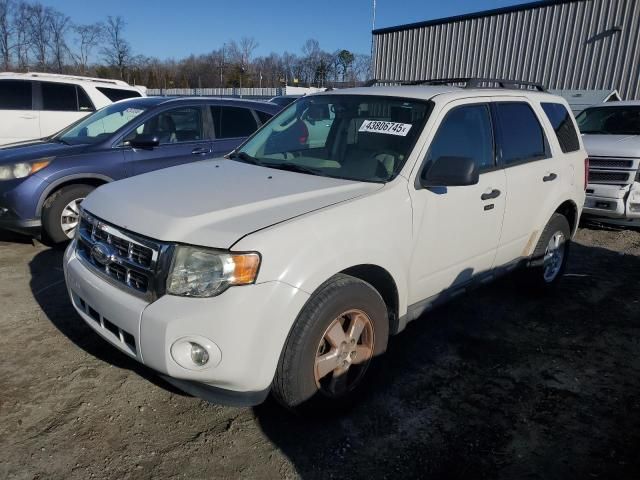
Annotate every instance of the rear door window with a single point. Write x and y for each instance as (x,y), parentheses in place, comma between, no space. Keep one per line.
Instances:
(59,97)
(263,116)
(522,138)
(233,122)
(115,94)
(15,95)
(562,123)
(465,132)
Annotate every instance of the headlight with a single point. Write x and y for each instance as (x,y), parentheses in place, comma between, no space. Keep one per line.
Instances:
(23,169)
(203,272)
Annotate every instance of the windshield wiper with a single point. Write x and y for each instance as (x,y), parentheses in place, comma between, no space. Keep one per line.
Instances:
(294,167)
(245,157)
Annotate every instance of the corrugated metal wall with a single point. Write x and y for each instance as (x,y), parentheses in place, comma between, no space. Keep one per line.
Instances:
(580,44)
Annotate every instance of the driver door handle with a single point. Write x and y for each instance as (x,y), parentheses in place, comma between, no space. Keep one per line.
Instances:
(493,194)
(550,177)
(200,151)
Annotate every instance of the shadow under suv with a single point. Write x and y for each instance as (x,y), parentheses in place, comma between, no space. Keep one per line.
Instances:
(42,182)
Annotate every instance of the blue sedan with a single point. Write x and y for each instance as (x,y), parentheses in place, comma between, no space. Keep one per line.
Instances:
(43,182)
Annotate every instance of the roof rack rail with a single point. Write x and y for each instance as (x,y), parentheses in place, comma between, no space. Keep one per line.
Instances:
(68,77)
(468,82)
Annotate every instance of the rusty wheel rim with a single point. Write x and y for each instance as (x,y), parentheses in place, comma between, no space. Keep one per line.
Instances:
(344,353)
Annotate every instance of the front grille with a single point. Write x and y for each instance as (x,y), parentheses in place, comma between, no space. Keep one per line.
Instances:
(123,258)
(608,177)
(610,163)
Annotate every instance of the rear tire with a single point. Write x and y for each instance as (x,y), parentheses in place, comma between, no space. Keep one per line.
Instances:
(60,213)
(331,351)
(549,259)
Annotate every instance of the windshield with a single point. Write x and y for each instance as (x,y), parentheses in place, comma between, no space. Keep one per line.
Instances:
(623,120)
(102,123)
(356,137)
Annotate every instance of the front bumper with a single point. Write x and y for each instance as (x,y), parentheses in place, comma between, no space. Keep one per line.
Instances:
(246,328)
(612,202)
(19,204)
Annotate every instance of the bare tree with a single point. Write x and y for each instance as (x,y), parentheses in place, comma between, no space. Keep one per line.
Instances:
(40,32)
(6,32)
(59,25)
(117,51)
(22,34)
(87,38)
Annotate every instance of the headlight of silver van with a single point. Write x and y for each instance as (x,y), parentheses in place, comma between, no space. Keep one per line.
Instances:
(204,272)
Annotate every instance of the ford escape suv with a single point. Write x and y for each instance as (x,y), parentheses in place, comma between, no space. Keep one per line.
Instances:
(284,268)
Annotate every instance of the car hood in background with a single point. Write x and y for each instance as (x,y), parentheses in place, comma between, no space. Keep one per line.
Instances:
(33,150)
(612,145)
(214,203)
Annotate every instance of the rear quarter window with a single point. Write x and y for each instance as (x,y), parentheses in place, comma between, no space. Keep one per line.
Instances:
(115,94)
(563,125)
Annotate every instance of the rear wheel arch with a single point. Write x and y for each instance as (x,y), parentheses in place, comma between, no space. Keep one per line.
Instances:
(569,210)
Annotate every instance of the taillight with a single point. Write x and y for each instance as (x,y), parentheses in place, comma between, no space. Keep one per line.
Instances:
(586,172)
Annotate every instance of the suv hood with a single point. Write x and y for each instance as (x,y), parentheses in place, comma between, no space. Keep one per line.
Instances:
(612,145)
(215,202)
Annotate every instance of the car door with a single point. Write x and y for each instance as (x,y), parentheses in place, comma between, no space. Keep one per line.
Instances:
(183,139)
(457,229)
(18,120)
(61,104)
(232,125)
(532,175)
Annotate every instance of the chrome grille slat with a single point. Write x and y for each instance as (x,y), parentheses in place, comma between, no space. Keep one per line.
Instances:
(133,262)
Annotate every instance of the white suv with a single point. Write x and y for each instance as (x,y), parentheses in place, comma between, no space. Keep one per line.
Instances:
(285,268)
(37,105)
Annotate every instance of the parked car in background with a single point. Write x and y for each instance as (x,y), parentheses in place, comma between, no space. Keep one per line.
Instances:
(37,105)
(611,135)
(284,100)
(42,183)
(286,267)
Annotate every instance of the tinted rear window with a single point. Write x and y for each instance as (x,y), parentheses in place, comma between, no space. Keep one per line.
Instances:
(521,136)
(59,97)
(115,94)
(233,122)
(561,122)
(15,95)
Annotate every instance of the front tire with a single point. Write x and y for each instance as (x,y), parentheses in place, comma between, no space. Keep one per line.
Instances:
(549,259)
(328,358)
(61,214)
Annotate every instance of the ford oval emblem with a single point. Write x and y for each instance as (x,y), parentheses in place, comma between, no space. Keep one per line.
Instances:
(102,254)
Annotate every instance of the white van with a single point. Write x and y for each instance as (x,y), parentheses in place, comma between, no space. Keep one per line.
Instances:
(36,105)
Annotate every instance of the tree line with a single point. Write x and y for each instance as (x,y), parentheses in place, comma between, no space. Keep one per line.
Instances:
(35,37)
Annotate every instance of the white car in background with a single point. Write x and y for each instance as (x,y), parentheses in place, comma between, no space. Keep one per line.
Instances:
(37,105)
(611,135)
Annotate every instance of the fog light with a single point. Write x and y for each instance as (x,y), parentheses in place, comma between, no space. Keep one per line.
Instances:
(199,354)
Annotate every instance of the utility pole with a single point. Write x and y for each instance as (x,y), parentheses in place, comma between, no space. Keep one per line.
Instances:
(373,27)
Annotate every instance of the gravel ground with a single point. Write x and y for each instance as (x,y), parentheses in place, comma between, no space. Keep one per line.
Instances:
(498,384)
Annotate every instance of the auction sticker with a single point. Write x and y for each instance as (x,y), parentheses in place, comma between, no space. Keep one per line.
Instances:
(390,128)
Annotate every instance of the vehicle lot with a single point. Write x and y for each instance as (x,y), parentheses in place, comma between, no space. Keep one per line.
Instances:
(498,384)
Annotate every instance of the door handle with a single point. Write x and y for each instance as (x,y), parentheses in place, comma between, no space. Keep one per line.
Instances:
(549,178)
(493,194)
(200,151)
(28,117)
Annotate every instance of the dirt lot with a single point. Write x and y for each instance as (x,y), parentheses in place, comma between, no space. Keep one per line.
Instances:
(499,384)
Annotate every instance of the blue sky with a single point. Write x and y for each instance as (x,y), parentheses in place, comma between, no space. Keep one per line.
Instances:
(174,29)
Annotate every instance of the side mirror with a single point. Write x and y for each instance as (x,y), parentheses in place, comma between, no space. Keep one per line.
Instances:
(450,172)
(144,140)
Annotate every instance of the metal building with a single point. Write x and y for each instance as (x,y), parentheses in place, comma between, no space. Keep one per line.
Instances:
(563,44)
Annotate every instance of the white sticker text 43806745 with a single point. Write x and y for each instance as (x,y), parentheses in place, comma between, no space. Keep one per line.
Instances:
(390,128)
